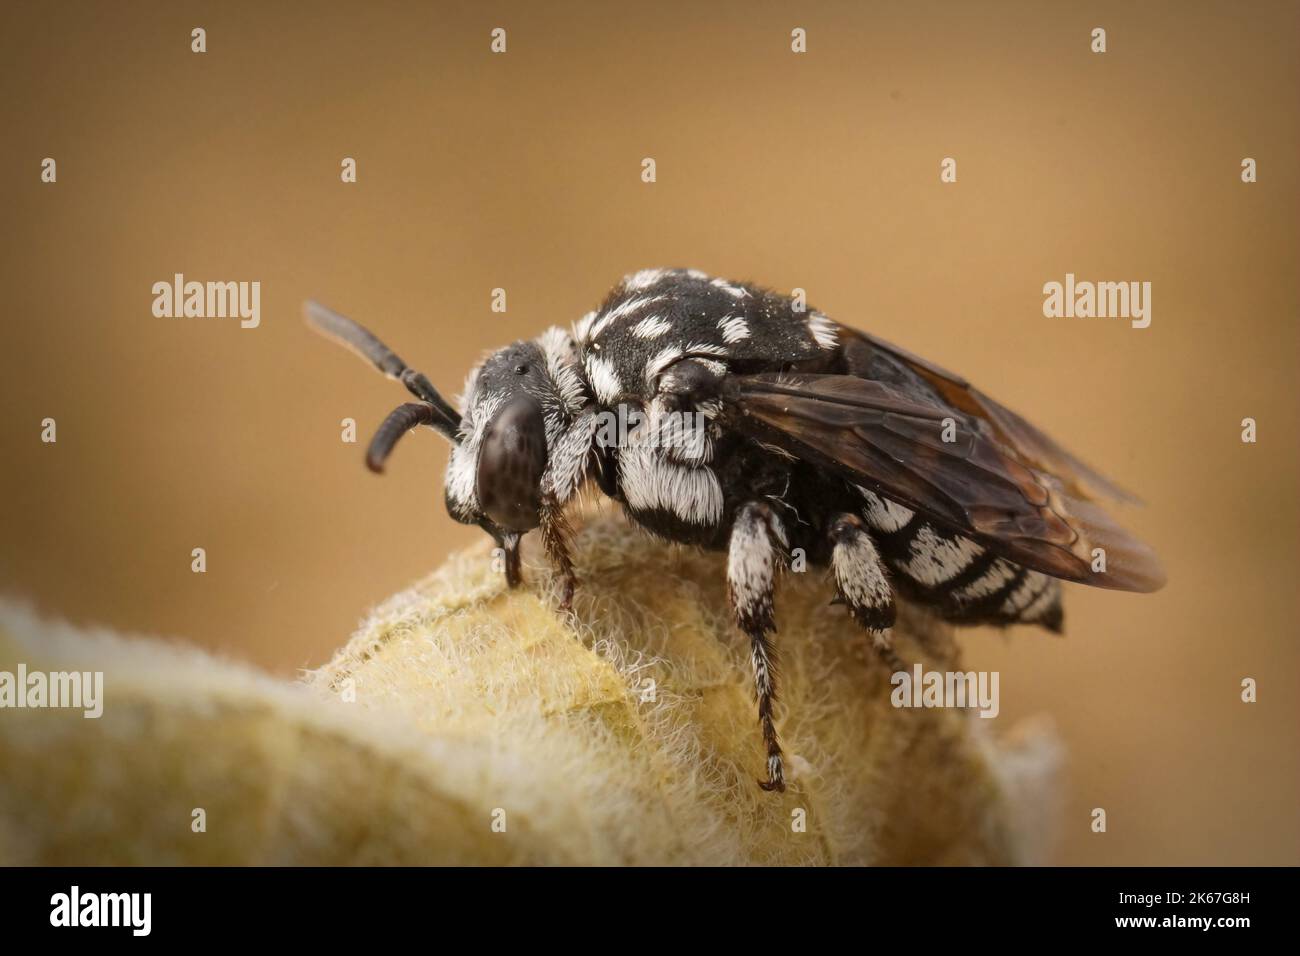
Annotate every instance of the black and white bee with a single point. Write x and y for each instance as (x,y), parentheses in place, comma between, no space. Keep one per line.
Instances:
(764,430)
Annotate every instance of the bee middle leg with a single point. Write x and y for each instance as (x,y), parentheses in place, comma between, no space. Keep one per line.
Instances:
(862,584)
(756,552)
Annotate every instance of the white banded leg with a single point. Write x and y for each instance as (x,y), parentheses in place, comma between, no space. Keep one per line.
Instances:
(567,469)
(862,585)
(757,549)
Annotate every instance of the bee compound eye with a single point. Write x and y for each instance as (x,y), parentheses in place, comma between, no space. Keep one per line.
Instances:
(511,462)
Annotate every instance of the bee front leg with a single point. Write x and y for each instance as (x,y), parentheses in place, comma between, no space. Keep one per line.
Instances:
(510,548)
(571,460)
(508,542)
(862,585)
(556,532)
(755,553)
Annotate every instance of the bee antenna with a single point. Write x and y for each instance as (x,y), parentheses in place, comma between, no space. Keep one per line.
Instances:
(362,341)
(400,420)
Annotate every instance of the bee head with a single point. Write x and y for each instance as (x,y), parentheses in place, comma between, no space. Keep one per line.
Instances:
(515,406)
(512,447)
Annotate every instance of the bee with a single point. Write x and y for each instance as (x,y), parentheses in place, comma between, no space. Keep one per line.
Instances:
(749,424)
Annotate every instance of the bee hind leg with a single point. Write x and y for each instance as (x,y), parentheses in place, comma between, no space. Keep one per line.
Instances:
(862,585)
(756,552)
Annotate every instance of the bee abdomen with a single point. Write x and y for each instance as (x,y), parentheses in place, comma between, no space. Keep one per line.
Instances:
(957,577)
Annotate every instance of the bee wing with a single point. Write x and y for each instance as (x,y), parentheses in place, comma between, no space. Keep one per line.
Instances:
(976,483)
(1029,443)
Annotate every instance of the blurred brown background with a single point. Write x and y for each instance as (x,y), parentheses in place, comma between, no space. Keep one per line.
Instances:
(523,171)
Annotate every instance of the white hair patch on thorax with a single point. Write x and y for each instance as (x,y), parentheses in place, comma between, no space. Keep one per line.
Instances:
(643,279)
(661,361)
(733,328)
(652,327)
(628,306)
(582,328)
(824,332)
(604,378)
(698,349)
(735,291)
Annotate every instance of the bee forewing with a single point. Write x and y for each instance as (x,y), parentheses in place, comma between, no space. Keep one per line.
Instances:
(1029,442)
(953,469)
